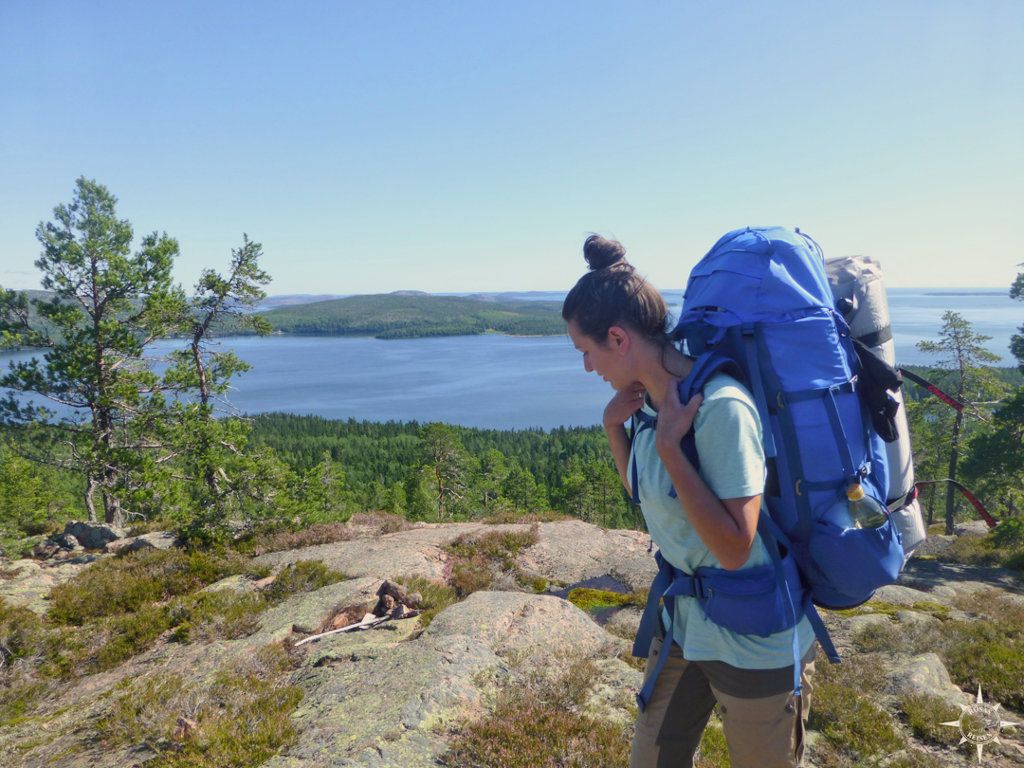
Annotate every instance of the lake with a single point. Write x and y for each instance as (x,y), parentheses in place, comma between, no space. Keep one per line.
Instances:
(507,382)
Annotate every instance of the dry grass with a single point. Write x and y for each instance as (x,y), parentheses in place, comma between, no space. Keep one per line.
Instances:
(320,533)
(538,723)
(238,719)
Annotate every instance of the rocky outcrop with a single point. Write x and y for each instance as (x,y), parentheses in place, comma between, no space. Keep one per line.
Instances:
(389,697)
(93,535)
(153,540)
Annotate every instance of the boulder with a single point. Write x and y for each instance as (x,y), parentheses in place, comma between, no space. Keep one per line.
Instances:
(93,535)
(542,627)
(561,557)
(45,549)
(153,540)
(67,542)
(900,595)
(976,528)
(925,674)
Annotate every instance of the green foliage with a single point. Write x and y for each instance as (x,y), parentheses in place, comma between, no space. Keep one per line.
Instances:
(122,585)
(1009,534)
(239,720)
(476,560)
(536,467)
(539,723)
(963,353)
(108,305)
(1017,340)
(994,465)
(846,717)
(436,596)
(402,316)
(925,713)
(301,576)
(597,599)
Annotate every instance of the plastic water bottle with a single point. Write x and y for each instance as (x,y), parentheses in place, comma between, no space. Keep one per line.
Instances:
(864,511)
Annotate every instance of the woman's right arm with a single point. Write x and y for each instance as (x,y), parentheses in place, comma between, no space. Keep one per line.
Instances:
(619,409)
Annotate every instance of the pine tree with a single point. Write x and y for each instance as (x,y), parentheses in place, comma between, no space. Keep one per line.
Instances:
(963,353)
(108,306)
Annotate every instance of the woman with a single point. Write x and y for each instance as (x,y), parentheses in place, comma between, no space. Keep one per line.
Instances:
(617,320)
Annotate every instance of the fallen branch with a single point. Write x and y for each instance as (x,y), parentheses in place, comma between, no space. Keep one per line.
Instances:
(368,622)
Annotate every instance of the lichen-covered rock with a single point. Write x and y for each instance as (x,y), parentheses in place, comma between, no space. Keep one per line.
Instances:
(514,623)
(28,582)
(925,674)
(93,535)
(976,528)
(570,551)
(152,540)
(898,594)
(67,542)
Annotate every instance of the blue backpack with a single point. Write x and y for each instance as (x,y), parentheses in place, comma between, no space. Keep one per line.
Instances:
(760,301)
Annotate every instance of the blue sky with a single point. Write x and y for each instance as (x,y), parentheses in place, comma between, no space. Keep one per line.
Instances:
(465,146)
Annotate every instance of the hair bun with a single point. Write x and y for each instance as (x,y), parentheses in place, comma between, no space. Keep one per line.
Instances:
(601,252)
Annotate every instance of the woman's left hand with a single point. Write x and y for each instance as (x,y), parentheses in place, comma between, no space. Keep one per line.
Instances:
(674,418)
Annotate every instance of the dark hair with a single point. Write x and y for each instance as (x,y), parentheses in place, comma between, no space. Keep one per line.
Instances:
(612,293)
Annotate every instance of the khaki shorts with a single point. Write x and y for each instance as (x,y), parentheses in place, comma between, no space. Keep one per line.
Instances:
(766,731)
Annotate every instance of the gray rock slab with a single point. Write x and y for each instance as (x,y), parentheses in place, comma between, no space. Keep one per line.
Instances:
(916,618)
(855,624)
(152,540)
(541,627)
(416,552)
(898,594)
(570,551)
(311,608)
(624,623)
(925,674)
(93,535)
(382,708)
(30,584)
(976,528)
(612,697)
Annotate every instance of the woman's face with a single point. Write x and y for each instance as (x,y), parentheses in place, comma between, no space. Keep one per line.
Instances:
(607,360)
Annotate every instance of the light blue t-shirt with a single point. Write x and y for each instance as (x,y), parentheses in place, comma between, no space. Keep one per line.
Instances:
(727,431)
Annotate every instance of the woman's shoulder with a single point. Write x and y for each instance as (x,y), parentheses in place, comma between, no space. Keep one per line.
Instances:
(723,387)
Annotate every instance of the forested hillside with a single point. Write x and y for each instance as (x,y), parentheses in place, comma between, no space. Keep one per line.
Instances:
(404,315)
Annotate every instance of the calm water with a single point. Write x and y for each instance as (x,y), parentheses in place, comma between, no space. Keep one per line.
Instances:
(502,381)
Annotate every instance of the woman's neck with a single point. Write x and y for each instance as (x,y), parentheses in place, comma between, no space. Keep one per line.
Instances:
(662,366)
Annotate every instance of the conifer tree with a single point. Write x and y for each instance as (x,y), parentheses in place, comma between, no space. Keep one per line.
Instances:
(108,306)
(964,354)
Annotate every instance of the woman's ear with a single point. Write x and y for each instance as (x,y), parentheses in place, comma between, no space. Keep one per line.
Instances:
(618,338)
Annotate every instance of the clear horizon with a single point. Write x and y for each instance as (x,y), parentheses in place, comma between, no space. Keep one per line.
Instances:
(461,147)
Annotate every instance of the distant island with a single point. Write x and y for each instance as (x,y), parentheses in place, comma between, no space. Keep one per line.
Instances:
(411,314)
(992,292)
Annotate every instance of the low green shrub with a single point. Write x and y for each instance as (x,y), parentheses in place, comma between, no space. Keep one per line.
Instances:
(846,717)
(713,751)
(220,614)
(475,560)
(925,713)
(278,541)
(119,585)
(436,596)
(238,720)
(538,724)
(301,576)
